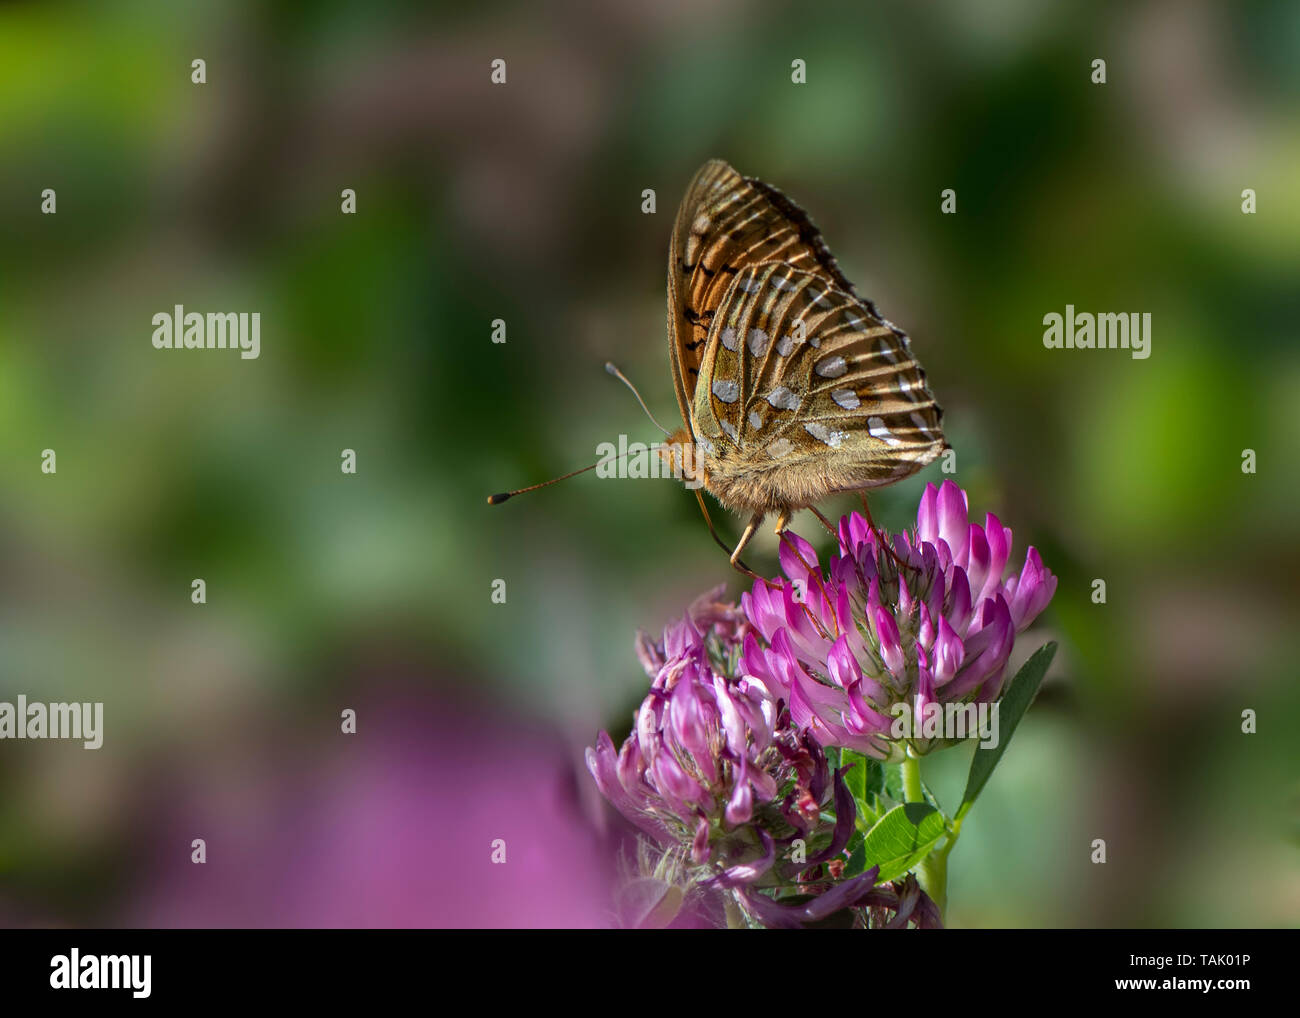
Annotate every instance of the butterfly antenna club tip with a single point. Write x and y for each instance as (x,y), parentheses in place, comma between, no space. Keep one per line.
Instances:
(499,498)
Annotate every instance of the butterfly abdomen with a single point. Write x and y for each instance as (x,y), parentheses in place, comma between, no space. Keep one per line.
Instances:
(780,489)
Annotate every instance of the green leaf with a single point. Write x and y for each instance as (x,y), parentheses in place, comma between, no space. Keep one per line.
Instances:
(892,784)
(866,781)
(856,778)
(875,774)
(902,838)
(857,856)
(1014,703)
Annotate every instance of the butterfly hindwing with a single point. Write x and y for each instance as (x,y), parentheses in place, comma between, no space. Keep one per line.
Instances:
(792,385)
(798,370)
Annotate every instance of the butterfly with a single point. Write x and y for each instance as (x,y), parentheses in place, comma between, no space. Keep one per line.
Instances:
(791,387)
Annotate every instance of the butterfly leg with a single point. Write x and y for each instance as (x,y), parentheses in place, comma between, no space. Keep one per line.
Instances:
(880,538)
(750,529)
(825,522)
(719,541)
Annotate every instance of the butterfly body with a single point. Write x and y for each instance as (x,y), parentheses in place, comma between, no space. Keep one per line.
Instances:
(739,485)
(791,387)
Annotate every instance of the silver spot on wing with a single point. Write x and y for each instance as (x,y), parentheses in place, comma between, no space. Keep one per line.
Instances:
(876,425)
(783,399)
(726,390)
(824,434)
(831,367)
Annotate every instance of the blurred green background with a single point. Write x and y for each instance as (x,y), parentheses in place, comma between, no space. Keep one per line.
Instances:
(522,202)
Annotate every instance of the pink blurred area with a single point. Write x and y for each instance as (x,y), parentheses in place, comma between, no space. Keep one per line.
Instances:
(391,827)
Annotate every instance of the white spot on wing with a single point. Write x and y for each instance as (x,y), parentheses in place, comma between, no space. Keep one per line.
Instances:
(726,390)
(846,398)
(876,425)
(783,399)
(781,447)
(784,345)
(730,429)
(757,342)
(728,338)
(824,434)
(831,367)
(910,387)
(755,421)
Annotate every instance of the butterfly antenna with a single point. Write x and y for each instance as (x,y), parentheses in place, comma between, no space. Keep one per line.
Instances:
(613,370)
(498,499)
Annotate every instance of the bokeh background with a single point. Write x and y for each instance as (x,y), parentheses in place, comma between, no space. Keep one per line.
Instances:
(523,202)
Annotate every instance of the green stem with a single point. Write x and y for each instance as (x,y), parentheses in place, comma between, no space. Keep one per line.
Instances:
(912,779)
(938,863)
(932,872)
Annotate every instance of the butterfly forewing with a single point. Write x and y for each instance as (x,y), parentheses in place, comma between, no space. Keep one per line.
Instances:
(726,223)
